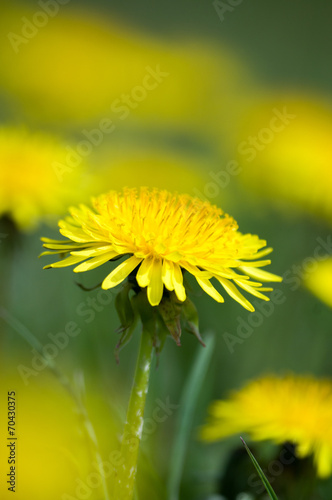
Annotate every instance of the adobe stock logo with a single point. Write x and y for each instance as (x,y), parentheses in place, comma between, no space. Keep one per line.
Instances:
(223,7)
(31,27)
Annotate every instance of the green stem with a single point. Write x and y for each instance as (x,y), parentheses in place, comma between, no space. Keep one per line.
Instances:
(126,474)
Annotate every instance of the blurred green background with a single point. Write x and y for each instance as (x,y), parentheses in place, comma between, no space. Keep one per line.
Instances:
(226,77)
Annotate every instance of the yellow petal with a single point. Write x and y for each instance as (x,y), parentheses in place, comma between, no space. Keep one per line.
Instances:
(120,273)
(252,290)
(50,240)
(209,289)
(323,457)
(94,262)
(66,246)
(235,294)
(143,274)
(48,253)
(248,282)
(195,271)
(258,263)
(178,283)
(167,274)
(94,251)
(259,274)
(156,286)
(260,254)
(225,273)
(74,234)
(66,262)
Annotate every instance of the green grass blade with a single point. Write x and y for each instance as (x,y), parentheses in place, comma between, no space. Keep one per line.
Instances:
(261,474)
(186,415)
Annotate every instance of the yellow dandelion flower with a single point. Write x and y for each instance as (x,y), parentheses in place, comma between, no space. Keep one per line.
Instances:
(83,68)
(319,281)
(292,408)
(135,166)
(286,152)
(164,234)
(29,187)
(63,461)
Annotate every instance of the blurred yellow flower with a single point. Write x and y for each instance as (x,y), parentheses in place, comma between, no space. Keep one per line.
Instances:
(163,234)
(292,408)
(53,457)
(134,166)
(286,152)
(30,189)
(76,67)
(319,281)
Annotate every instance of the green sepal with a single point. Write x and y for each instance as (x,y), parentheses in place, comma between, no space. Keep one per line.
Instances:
(146,312)
(152,321)
(125,337)
(191,320)
(170,311)
(123,306)
(158,321)
(162,334)
(127,316)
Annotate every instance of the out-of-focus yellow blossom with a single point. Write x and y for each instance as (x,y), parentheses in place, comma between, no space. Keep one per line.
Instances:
(292,408)
(150,167)
(81,68)
(285,150)
(319,281)
(31,188)
(53,457)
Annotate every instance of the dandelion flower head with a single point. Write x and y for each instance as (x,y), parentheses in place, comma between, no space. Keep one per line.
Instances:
(291,408)
(29,188)
(162,235)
